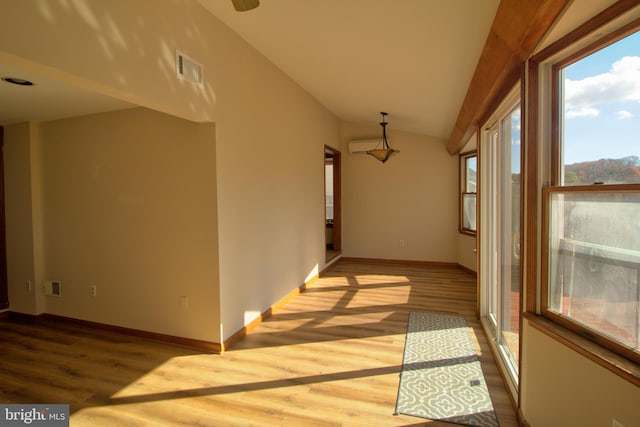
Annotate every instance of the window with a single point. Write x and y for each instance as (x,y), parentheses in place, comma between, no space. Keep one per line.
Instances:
(468,184)
(593,243)
(591,232)
(599,118)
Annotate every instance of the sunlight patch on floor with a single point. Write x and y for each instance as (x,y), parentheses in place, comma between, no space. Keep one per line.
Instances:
(362,298)
(351,320)
(365,279)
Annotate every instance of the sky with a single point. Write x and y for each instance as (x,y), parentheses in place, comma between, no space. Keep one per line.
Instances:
(602,104)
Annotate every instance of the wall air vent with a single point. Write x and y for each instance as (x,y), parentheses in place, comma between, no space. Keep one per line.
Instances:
(52,288)
(188,69)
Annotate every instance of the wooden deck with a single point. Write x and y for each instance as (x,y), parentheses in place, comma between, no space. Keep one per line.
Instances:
(331,356)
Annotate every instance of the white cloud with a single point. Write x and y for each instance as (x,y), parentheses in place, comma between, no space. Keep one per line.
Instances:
(582,112)
(621,83)
(623,114)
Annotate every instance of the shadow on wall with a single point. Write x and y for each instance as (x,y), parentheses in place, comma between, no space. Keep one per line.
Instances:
(121,49)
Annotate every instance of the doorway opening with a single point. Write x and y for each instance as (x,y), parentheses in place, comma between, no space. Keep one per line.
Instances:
(332,203)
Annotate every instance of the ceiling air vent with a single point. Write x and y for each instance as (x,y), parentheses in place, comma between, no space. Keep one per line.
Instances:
(188,69)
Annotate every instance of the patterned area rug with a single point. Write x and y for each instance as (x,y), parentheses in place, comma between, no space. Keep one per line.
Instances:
(441,377)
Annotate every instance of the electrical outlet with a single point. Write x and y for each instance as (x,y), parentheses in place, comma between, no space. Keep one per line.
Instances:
(401,243)
(93,290)
(29,287)
(184,302)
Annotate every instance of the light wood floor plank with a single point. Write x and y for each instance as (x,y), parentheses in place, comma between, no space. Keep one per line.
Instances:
(330,357)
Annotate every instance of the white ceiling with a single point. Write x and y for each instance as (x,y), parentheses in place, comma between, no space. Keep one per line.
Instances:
(411,58)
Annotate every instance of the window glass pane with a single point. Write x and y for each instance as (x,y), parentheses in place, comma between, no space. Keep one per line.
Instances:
(600,121)
(470,175)
(594,267)
(469,212)
(491,214)
(510,237)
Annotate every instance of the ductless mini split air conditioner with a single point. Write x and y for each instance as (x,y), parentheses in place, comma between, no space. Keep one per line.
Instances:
(363,145)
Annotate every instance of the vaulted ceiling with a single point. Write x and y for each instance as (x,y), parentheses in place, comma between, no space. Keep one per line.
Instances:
(411,58)
(414,59)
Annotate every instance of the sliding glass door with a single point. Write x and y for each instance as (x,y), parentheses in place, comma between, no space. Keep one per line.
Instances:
(500,233)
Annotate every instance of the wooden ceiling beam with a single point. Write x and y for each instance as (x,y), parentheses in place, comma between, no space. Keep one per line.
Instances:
(518,27)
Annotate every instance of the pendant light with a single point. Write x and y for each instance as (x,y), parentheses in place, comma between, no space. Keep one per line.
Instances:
(385,152)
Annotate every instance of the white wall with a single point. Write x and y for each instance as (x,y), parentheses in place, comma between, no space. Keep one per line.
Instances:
(124,49)
(467,256)
(565,389)
(25,261)
(271,192)
(129,206)
(412,197)
(269,132)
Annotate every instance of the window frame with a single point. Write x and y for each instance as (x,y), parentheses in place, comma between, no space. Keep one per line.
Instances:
(617,22)
(462,166)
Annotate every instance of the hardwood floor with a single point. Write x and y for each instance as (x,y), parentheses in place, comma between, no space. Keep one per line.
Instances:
(331,356)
